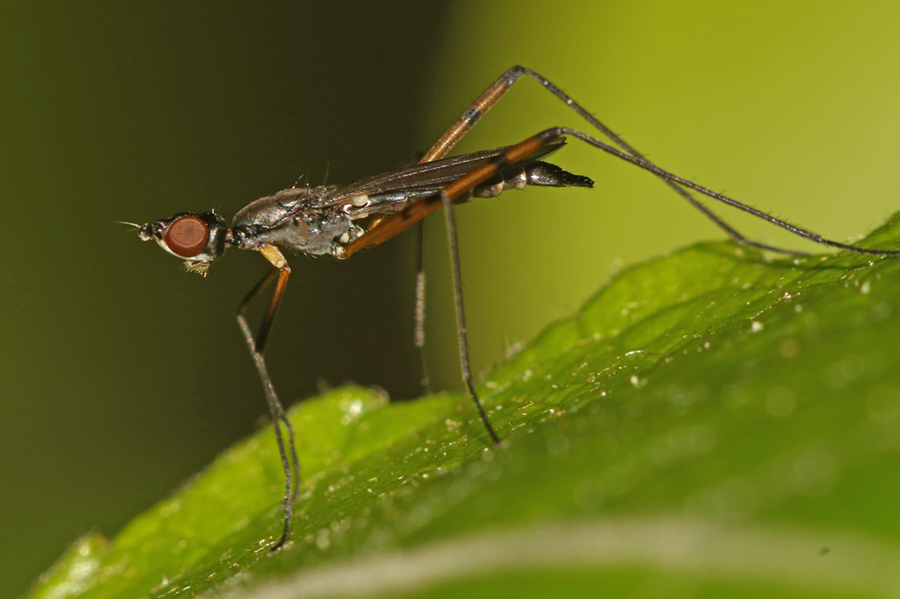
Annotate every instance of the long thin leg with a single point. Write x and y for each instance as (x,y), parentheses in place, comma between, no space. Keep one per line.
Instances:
(491,95)
(276,410)
(517,152)
(419,335)
(447,203)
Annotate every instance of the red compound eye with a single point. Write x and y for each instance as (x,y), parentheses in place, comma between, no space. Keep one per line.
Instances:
(187,236)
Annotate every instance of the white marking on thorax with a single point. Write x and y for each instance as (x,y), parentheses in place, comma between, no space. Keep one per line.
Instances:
(352,208)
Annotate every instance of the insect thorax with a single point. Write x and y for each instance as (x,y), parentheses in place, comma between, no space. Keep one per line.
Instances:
(299,217)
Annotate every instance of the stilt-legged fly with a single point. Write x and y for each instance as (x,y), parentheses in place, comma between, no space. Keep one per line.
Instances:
(339,220)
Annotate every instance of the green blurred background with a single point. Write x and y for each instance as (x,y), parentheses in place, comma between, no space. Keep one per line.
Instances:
(123,375)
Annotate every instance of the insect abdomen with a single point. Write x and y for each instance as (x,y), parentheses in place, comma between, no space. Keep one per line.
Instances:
(542,174)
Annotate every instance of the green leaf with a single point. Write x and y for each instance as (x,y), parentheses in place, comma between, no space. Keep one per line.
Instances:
(711,423)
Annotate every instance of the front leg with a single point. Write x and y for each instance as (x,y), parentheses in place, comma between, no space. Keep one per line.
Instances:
(282,271)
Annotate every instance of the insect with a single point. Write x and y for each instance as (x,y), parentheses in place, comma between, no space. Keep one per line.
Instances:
(340,220)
